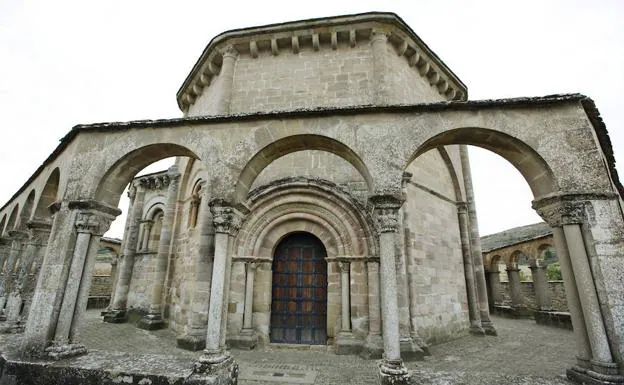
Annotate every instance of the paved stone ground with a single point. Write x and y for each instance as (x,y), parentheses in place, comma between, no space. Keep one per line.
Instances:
(523,353)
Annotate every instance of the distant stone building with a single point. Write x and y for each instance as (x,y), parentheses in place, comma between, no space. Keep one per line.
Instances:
(522,269)
(321,194)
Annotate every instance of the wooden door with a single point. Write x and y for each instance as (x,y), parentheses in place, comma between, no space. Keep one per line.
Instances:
(299,302)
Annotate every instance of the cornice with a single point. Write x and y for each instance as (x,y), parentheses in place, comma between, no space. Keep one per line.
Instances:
(320,34)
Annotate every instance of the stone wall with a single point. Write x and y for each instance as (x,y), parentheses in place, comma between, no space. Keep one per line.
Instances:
(435,263)
(555,291)
(327,77)
(101,286)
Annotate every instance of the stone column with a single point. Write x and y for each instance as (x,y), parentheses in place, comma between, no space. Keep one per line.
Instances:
(381,90)
(391,368)
(540,286)
(247,338)
(373,347)
(89,227)
(471,290)
(117,313)
(495,286)
(194,337)
(225,79)
(475,244)
(146,233)
(40,233)
(583,351)
(15,299)
(215,358)
(63,283)
(515,288)
(153,320)
(15,253)
(345,341)
(566,214)
(602,360)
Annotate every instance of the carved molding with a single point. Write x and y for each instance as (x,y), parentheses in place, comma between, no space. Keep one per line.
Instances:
(154,182)
(565,209)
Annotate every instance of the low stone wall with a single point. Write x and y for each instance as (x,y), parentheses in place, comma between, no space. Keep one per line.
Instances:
(555,288)
(101,285)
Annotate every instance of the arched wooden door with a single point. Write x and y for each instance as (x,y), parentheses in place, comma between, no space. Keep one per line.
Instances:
(299,301)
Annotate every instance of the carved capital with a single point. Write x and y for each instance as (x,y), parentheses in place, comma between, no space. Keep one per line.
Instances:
(252,265)
(93,223)
(387,220)
(229,51)
(379,35)
(561,212)
(155,182)
(343,266)
(225,218)
(372,265)
(462,208)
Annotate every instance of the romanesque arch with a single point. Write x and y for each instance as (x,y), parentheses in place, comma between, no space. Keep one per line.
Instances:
(49,195)
(11,223)
(290,144)
(531,165)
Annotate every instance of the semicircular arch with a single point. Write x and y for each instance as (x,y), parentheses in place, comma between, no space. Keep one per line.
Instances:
(305,206)
(294,143)
(120,173)
(523,157)
(12,219)
(49,194)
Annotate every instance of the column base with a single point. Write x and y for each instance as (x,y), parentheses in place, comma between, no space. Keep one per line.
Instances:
(393,373)
(115,316)
(216,368)
(488,326)
(347,343)
(373,347)
(192,343)
(411,351)
(151,322)
(477,330)
(60,351)
(590,377)
(246,339)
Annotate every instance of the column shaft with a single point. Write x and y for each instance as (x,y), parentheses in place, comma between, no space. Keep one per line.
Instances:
(540,287)
(225,79)
(164,246)
(217,292)
(126,263)
(381,91)
(389,305)
(581,338)
(515,288)
(344,296)
(475,243)
(249,293)
(471,290)
(66,314)
(588,297)
(85,286)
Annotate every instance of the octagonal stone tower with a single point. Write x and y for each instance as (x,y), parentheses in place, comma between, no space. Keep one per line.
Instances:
(366,59)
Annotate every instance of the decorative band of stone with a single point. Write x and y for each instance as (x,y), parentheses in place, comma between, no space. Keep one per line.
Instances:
(351,258)
(251,259)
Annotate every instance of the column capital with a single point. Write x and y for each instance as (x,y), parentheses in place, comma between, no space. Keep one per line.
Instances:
(92,222)
(132,190)
(229,51)
(225,218)
(462,207)
(379,35)
(566,209)
(343,266)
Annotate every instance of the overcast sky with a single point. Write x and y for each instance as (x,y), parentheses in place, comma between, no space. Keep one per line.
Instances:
(68,62)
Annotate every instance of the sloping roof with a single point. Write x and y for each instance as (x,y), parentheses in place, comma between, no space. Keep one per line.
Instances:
(514,236)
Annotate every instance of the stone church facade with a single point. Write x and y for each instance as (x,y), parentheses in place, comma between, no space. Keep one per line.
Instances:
(321,194)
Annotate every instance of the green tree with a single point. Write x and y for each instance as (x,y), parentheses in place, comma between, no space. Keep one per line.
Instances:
(553,272)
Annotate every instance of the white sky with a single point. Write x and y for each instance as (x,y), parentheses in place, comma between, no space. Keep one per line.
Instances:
(68,62)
